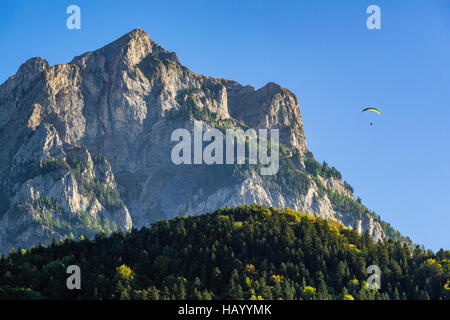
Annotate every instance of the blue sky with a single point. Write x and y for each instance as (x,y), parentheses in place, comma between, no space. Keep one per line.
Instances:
(320,50)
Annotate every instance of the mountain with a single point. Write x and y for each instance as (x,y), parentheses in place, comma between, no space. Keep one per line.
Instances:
(248,252)
(87,148)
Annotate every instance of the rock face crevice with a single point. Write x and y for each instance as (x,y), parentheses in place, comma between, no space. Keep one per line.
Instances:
(87,146)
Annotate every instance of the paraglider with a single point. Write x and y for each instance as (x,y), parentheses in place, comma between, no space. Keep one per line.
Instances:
(372,109)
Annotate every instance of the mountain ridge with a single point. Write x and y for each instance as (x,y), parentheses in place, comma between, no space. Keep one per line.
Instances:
(90,141)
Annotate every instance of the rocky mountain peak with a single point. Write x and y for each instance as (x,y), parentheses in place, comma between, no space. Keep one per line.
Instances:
(129,50)
(33,66)
(87,146)
(25,75)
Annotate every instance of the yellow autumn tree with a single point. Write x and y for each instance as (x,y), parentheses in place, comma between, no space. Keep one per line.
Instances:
(250,268)
(125,272)
(309,293)
(276,278)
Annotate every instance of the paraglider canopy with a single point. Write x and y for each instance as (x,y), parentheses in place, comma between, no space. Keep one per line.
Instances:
(372,109)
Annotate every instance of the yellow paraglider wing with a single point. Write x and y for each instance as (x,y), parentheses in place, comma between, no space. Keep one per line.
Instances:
(372,109)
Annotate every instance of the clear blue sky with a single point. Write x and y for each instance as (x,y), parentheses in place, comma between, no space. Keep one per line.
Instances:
(320,50)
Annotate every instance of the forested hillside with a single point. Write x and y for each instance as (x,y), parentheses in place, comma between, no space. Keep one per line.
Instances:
(248,252)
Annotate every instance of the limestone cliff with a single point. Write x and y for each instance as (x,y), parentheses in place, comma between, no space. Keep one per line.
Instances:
(86,147)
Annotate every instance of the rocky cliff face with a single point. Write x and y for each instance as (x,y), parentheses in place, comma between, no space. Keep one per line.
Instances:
(86,147)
